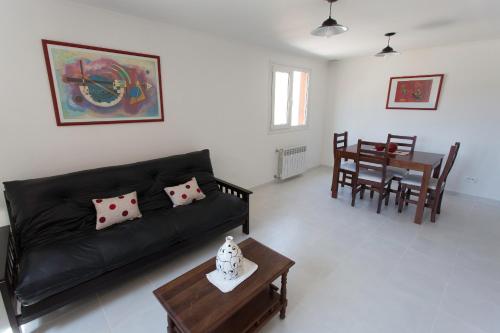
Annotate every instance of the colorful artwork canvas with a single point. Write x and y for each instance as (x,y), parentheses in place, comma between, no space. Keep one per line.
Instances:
(414,92)
(92,85)
(418,91)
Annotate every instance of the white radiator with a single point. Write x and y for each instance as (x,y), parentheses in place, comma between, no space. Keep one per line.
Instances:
(291,162)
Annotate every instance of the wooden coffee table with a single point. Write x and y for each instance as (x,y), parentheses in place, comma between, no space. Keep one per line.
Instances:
(195,305)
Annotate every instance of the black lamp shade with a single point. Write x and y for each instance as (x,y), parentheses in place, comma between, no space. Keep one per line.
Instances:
(387,51)
(329,28)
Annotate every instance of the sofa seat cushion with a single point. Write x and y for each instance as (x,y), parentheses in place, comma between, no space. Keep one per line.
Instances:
(52,268)
(208,214)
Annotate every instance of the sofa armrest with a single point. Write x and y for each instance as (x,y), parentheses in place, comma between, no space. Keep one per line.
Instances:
(4,251)
(227,187)
(239,192)
(8,257)
(8,271)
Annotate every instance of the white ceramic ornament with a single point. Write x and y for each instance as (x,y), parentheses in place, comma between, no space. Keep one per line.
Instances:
(229,259)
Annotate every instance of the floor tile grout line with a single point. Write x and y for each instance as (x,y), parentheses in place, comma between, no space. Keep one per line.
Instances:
(440,305)
(400,259)
(101,306)
(445,289)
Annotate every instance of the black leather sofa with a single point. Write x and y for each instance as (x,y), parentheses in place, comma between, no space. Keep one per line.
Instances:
(51,254)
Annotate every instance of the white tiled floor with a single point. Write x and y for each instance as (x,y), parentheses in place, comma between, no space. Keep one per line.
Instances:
(355,271)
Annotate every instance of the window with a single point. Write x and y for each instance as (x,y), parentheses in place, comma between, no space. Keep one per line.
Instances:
(290,87)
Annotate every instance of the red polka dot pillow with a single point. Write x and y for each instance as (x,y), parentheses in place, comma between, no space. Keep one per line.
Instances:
(116,210)
(185,193)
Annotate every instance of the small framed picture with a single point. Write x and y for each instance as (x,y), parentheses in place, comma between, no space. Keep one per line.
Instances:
(94,85)
(419,92)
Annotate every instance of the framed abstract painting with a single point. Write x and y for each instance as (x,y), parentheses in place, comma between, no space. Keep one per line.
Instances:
(94,85)
(420,92)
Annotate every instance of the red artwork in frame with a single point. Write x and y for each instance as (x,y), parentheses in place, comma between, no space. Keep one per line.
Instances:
(421,92)
(94,85)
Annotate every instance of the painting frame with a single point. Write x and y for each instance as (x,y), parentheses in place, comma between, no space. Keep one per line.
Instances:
(433,94)
(47,44)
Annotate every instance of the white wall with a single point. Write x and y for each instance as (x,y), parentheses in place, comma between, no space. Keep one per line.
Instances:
(216,96)
(468,111)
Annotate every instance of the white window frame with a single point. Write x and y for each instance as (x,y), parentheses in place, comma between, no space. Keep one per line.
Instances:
(289,69)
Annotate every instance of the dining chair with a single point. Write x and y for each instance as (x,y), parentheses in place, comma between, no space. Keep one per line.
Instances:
(410,186)
(347,168)
(406,144)
(371,172)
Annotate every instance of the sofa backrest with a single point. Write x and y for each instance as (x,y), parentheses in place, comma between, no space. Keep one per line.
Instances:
(48,209)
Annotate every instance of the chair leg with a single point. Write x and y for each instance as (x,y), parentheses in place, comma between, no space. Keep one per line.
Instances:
(380,198)
(362,193)
(433,210)
(343,179)
(408,195)
(388,193)
(438,210)
(353,195)
(397,195)
(436,198)
(402,200)
(371,194)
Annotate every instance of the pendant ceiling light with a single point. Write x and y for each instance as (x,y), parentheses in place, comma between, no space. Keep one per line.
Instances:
(388,50)
(330,26)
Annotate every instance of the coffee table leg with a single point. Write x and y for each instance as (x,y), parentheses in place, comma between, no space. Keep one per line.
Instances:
(283,299)
(171,325)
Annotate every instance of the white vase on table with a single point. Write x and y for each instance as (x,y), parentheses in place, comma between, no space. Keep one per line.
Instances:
(229,259)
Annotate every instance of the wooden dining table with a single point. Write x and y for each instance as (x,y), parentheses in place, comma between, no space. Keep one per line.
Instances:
(428,163)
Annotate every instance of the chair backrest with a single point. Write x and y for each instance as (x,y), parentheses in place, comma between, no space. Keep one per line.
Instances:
(369,158)
(457,144)
(450,161)
(339,141)
(403,141)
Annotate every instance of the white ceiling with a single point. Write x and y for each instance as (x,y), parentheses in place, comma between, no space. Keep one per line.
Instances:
(286,24)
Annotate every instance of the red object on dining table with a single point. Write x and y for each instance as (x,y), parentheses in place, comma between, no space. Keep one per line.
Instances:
(392,147)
